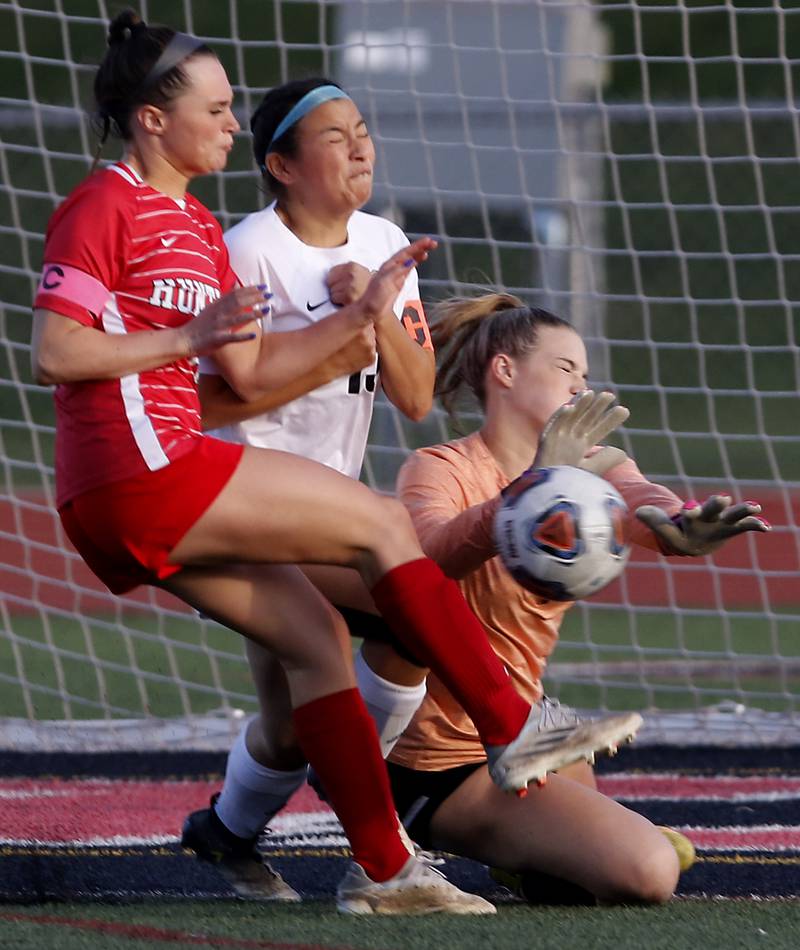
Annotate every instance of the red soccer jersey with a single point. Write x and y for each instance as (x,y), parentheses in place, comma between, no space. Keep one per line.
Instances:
(122,257)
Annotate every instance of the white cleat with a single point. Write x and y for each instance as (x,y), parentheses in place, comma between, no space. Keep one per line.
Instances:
(416,889)
(552,738)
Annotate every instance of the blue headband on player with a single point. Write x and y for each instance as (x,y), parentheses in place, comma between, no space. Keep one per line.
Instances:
(302,107)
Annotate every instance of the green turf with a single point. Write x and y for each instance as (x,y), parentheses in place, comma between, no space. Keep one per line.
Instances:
(717,925)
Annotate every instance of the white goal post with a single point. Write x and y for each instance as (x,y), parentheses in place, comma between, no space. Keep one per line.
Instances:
(631,165)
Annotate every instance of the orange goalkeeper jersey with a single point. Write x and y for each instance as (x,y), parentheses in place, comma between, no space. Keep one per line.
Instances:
(452,492)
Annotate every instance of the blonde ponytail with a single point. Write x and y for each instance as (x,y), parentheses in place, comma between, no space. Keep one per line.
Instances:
(468,331)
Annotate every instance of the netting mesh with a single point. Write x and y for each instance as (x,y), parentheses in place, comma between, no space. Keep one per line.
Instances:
(632,166)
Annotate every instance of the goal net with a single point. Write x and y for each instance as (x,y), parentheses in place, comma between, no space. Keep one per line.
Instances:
(631,165)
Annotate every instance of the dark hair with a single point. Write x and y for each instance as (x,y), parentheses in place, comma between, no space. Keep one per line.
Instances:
(472,330)
(268,116)
(120,84)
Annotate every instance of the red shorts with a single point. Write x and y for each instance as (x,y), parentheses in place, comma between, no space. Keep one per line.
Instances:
(126,530)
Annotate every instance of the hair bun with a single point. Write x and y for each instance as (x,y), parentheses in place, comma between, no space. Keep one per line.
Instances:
(123,26)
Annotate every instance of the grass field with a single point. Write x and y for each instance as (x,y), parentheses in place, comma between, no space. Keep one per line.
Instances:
(682,925)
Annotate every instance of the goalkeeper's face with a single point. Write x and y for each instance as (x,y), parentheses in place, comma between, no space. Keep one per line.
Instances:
(549,376)
(331,173)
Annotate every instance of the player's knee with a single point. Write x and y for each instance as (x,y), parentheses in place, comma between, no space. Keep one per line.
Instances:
(396,514)
(651,875)
(661,873)
(387,539)
(391,524)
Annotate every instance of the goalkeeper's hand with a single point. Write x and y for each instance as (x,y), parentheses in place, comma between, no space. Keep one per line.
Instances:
(697,530)
(578,426)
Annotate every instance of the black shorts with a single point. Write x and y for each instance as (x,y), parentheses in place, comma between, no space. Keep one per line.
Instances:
(417,794)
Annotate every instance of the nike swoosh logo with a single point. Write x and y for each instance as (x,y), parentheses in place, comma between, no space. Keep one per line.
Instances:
(168,242)
(311,307)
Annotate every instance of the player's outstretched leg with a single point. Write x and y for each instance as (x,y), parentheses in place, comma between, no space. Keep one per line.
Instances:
(426,609)
(523,742)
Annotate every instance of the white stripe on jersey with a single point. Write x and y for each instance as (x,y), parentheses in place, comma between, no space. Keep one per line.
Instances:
(171,270)
(122,293)
(169,446)
(166,406)
(155,214)
(167,250)
(142,430)
(170,231)
(188,372)
(170,389)
(126,172)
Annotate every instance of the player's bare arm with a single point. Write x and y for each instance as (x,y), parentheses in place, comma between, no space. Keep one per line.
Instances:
(275,359)
(64,350)
(221,406)
(407,370)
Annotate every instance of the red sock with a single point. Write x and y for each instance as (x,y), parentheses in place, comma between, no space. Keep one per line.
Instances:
(429,615)
(339,739)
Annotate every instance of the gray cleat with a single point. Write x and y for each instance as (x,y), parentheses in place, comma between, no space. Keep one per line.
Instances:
(553,737)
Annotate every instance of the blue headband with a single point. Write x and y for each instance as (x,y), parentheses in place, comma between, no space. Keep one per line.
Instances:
(302,107)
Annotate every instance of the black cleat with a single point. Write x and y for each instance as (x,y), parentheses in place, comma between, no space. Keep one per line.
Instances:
(237,859)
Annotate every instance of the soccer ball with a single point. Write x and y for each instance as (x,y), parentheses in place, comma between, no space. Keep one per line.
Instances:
(560,533)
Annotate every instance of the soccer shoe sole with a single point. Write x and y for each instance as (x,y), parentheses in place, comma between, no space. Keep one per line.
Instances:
(521,762)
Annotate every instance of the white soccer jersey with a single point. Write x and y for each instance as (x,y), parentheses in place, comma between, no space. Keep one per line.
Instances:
(330,424)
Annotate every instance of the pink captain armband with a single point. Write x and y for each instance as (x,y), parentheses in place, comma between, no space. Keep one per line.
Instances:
(73,285)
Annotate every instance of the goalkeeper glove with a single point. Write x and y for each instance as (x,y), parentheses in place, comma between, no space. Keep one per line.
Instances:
(697,530)
(578,426)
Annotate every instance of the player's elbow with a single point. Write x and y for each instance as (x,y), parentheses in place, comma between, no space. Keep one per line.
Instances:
(420,410)
(40,375)
(416,408)
(45,368)
(245,387)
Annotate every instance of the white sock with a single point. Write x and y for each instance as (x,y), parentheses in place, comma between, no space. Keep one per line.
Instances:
(391,706)
(252,793)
